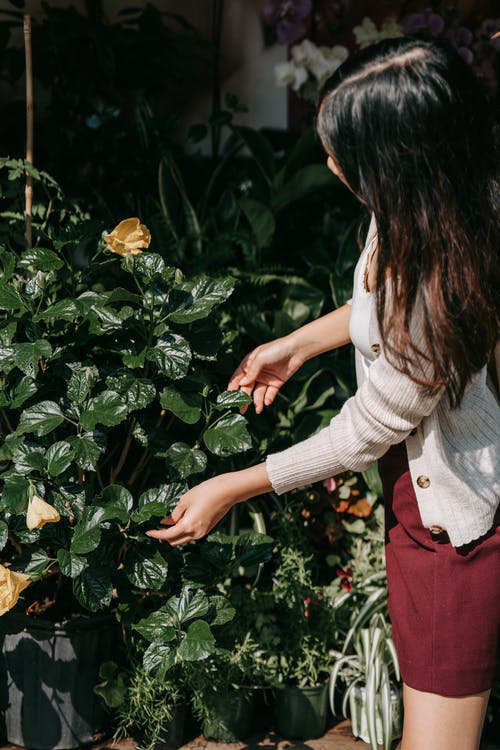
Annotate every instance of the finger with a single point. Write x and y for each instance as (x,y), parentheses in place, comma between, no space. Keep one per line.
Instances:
(258,397)
(182,540)
(239,373)
(271,394)
(172,534)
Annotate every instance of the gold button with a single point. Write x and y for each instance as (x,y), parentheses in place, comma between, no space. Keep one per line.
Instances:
(414,431)
(436,530)
(423,481)
(375,348)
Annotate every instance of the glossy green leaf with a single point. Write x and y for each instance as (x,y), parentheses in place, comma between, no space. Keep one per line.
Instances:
(228,399)
(222,610)
(185,405)
(22,391)
(136,392)
(58,457)
(41,418)
(4,534)
(228,436)
(195,301)
(145,569)
(113,688)
(10,299)
(199,642)
(87,532)
(108,408)
(252,549)
(64,309)
(181,461)
(171,355)
(158,501)
(28,457)
(156,627)
(93,588)
(70,565)
(41,258)
(88,448)
(159,658)
(15,493)
(27,356)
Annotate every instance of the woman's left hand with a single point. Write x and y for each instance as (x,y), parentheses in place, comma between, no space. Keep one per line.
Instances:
(203,506)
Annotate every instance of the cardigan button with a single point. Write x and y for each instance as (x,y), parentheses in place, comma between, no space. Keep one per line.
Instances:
(375,348)
(436,530)
(423,481)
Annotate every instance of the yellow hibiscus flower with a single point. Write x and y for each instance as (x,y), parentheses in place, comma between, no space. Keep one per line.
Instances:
(11,585)
(128,237)
(39,513)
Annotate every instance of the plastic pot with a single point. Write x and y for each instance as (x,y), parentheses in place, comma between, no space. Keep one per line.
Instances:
(174,731)
(47,676)
(231,716)
(302,712)
(359,719)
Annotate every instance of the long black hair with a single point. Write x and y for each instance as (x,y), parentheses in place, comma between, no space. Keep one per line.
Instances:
(409,126)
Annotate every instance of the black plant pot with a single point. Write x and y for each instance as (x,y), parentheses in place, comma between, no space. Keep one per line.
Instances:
(47,676)
(302,712)
(232,716)
(174,731)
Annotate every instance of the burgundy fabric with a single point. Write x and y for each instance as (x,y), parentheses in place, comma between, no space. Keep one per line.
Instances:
(444,602)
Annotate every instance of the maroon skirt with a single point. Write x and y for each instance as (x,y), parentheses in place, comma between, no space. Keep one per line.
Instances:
(444,601)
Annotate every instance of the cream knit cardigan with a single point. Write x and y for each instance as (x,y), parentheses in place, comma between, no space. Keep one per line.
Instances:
(453,455)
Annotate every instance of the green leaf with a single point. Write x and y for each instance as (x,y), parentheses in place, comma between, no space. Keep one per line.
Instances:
(156,627)
(136,392)
(198,644)
(185,405)
(159,658)
(194,301)
(28,457)
(190,604)
(260,219)
(117,502)
(22,391)
(253,548)
(27,356)
(260,148)
(181,461)
(64,309)
(41,258)
(93,588)
(70,565)
(15,493)
(148,266)
(37,564)
(4,534)
(10,299)
(87,532)
(146,570)
(158,501)
(58,457)
(223,610)
(88,448)
(228,436)
(227,399)
(307,180)
(108,408)
(113,688)
(171,355)
(79,385)
(41,418)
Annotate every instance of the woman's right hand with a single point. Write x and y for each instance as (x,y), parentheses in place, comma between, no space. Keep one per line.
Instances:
(265,369)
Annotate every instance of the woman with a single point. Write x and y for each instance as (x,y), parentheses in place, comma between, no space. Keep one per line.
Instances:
(405,127)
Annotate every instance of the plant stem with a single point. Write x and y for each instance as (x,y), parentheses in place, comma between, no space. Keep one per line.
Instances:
(126,447)
(145,453)
(29,127)
(6,419)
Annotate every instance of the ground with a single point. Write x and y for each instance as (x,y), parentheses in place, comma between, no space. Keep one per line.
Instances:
(338,737)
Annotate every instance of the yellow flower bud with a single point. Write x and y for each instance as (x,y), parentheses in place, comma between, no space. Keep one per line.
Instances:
(128,237)
(11,585)
(39,513)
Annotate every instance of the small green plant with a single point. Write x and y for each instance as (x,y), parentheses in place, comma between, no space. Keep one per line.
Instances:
(370,674)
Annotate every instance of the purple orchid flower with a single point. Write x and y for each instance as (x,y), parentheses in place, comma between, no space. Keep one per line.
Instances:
(287,18)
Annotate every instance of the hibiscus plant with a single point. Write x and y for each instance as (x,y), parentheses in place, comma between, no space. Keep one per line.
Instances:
(110,402)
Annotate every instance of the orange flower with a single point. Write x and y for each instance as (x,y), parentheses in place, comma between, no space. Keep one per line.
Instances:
(11,585)
(128,237)
(39,513)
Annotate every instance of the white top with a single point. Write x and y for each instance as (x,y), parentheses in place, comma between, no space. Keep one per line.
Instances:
(453,454)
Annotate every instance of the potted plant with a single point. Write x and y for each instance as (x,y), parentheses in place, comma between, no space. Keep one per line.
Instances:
(108,405)
(371,674)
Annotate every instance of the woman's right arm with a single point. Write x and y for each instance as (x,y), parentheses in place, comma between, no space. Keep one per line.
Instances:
(265,369)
